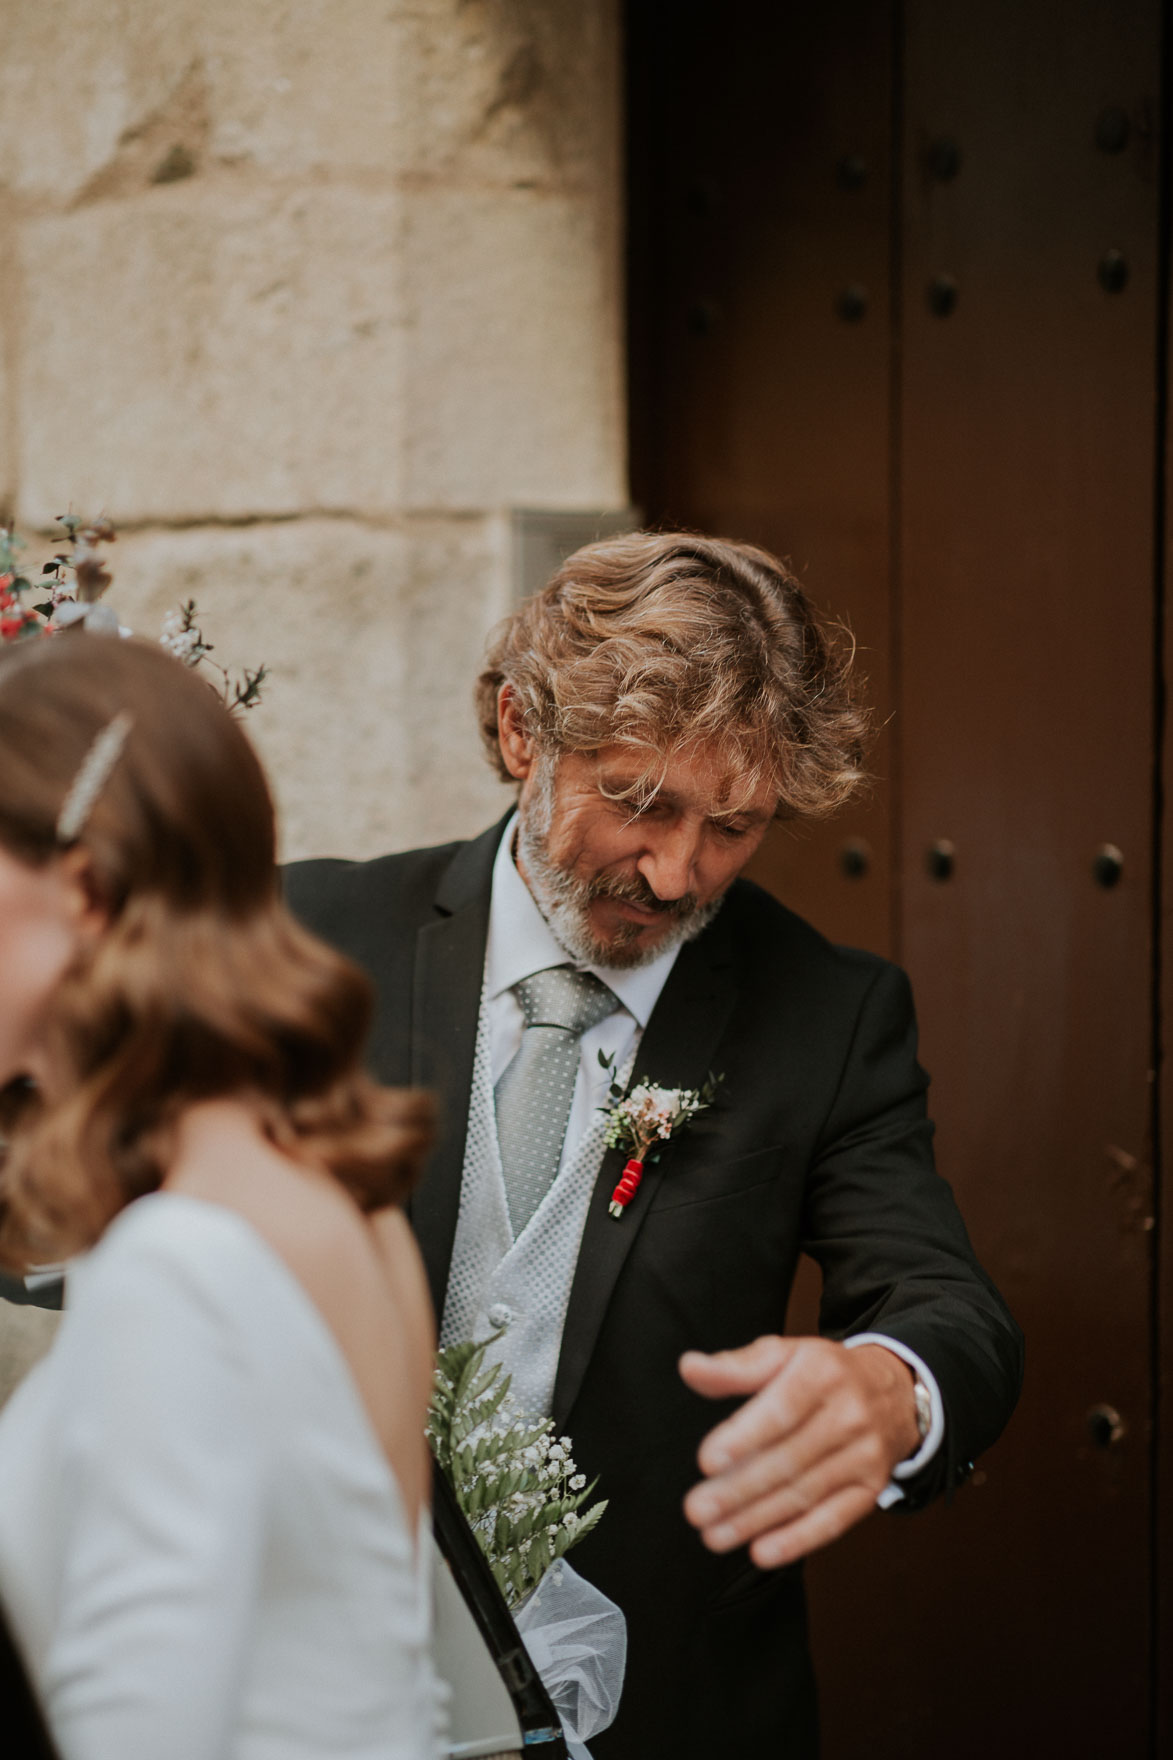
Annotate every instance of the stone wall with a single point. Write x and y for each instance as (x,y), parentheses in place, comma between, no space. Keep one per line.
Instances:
(307,295)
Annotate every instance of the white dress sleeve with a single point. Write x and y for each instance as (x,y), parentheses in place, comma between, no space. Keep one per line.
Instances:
(165,1474)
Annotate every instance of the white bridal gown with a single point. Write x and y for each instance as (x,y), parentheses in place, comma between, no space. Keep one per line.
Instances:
(203,1550)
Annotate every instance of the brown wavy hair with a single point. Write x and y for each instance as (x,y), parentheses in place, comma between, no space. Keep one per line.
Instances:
(202,985)
(661,639)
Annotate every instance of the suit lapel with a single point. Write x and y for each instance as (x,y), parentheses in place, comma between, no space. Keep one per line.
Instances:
(677,1051)
(446,993)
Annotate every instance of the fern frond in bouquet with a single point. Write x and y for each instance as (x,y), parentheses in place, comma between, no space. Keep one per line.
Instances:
(518,1486)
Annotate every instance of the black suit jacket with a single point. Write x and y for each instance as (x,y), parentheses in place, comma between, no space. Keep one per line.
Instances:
(818,1141)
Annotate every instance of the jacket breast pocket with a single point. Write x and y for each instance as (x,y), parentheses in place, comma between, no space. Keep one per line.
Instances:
(708,1181)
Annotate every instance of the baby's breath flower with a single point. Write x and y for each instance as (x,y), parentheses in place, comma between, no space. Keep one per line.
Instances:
(486,1446)
(650,1113)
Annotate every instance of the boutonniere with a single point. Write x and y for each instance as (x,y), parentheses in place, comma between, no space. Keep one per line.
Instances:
(643,1121)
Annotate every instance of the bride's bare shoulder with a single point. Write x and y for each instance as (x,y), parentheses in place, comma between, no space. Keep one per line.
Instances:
(401,1257)
(395,1240)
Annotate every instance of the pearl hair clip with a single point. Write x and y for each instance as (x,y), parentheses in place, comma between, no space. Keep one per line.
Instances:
(92,777)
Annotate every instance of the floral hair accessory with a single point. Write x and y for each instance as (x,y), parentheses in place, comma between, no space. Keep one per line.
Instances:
(643,1121)
(68,595)
(69,588)
(92,777)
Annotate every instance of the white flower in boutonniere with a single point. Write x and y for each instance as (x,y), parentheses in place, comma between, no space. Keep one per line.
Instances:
(643,1121)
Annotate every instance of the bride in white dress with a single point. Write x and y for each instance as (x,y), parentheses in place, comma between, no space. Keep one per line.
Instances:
(213,1490)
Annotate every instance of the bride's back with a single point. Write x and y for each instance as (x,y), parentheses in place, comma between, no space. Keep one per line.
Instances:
(362,1274)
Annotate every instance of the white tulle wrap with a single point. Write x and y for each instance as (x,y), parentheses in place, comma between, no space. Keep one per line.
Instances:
(577,1640)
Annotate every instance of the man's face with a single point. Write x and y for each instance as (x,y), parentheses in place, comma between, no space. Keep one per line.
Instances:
(620,883)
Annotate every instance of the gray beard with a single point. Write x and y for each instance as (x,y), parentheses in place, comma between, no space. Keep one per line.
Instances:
(564,901)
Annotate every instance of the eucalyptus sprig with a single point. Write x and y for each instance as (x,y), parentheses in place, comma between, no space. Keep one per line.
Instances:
(185,639)
(517,1485)
(82,558)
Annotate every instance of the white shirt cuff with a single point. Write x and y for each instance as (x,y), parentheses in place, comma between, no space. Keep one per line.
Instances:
(892,1492)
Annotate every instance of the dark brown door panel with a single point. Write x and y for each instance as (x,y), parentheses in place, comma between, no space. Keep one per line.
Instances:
(897,277)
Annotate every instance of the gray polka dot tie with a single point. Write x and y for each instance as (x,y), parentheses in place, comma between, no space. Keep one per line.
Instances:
(534,1093)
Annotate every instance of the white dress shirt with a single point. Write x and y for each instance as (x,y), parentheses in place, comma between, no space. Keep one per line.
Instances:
(521,942)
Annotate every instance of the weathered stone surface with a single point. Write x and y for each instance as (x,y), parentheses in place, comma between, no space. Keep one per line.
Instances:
(457,585)
(204,352)
(95,93)
(76,76)
(315,292)
(25,1335)
(504,91)
(227,347)
(514,384)
(11,302)
(167,145)
(372,637)
(510,91)
(7,465)
(307,89)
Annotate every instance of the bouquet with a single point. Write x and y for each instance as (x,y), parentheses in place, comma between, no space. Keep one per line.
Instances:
(516,1483)
(523,1498)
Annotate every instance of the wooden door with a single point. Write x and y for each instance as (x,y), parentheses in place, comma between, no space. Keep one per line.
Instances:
(897,312)
(759,244)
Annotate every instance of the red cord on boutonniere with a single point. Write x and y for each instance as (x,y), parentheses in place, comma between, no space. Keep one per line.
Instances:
(643,1121)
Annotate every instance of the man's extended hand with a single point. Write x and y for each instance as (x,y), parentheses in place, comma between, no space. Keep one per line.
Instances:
(807,1455)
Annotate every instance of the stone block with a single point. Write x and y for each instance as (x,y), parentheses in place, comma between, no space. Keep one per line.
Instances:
(208,352)
(7,431)
(307,89)
(514,374)
(76,77)
(95,94)
(445,620)
(510,91)
(26,1333)
(372,637)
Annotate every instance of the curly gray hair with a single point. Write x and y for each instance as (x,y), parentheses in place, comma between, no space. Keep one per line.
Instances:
(661,640)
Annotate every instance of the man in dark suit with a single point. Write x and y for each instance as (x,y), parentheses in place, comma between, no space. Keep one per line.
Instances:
(658,704)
